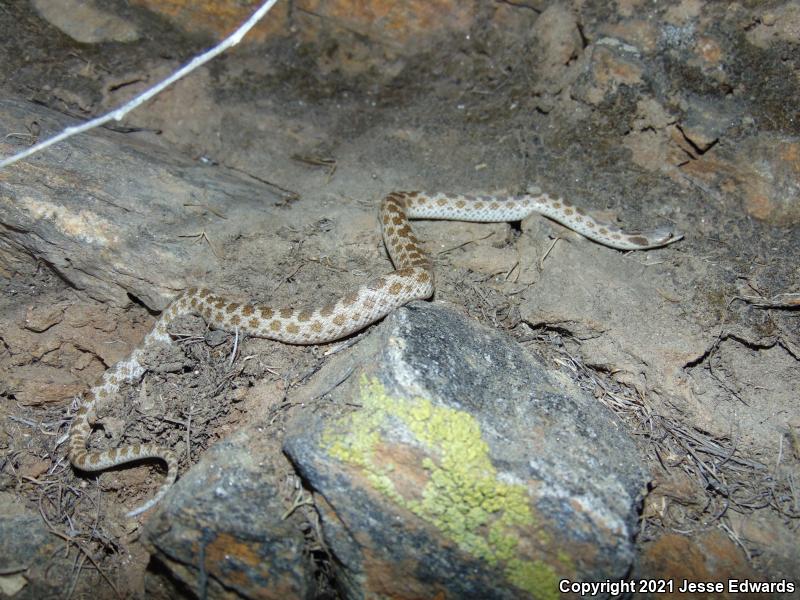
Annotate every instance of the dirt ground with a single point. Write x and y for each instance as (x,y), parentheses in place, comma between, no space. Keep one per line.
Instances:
(696,346)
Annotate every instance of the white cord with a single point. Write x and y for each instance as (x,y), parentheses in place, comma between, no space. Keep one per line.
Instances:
(119,113)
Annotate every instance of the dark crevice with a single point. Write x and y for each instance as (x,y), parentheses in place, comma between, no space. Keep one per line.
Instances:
(723,338)
(523,6)
(584,39)
(698,151)
(551,328)
(139,302)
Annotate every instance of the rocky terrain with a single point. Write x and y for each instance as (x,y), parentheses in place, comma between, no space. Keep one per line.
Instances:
(561,410)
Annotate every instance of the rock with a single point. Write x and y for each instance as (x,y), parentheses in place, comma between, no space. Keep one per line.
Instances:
(706,122)
(606,65)
(384,23)
(656,150)
(118,206)
(641,33)
(661,142)
(219,18)
(624,314)
(39,319)
(648,141)
(766,372)
(32,561)
(388,22)
(779,552)
(38,384)
(466,470)
(709,55)
(362,38)
(710,557)
(535,5)
(513,21)
(558,42)
(227,514)
(375,38)
(777,25)
(760,171)
(683,12)
(85,22)
(60,349)
(215,338)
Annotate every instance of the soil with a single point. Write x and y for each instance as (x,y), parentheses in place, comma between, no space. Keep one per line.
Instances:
(715,406)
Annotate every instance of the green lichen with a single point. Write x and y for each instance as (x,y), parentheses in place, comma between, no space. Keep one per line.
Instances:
(530,576)
(463,497)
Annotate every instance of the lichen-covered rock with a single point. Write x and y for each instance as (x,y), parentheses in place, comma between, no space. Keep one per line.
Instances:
(465,470)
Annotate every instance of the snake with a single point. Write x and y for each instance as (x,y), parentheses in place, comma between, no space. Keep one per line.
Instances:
(412,279)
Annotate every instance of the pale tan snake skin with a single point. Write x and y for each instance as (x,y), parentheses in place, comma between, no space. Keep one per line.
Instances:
(412,280)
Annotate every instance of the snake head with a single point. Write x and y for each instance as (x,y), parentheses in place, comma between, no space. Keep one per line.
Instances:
(665,235)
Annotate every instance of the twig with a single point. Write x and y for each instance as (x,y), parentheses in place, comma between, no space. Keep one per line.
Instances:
(732,535)
(199,237)
(32,136)
(208,208)
(519,5)
(513,268)
(84,552)
(27,422)
(467,243)
(339,381)
(547,253)
(189,433)
(318,161)
(786,300)
(289,196)
(300,499)
(120,113)
(235,346)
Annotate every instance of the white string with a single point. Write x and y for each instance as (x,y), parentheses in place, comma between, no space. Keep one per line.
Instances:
(119,113)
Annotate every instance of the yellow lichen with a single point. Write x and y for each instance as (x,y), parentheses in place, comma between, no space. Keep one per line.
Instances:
(530,576)
(463,498)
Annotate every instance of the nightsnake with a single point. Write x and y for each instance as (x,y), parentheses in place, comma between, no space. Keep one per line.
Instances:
(413,279)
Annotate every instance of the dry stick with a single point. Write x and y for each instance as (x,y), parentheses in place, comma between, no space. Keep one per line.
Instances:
(119,113)
(235,346)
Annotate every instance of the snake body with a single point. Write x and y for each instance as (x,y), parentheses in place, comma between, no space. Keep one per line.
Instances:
(412,279)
